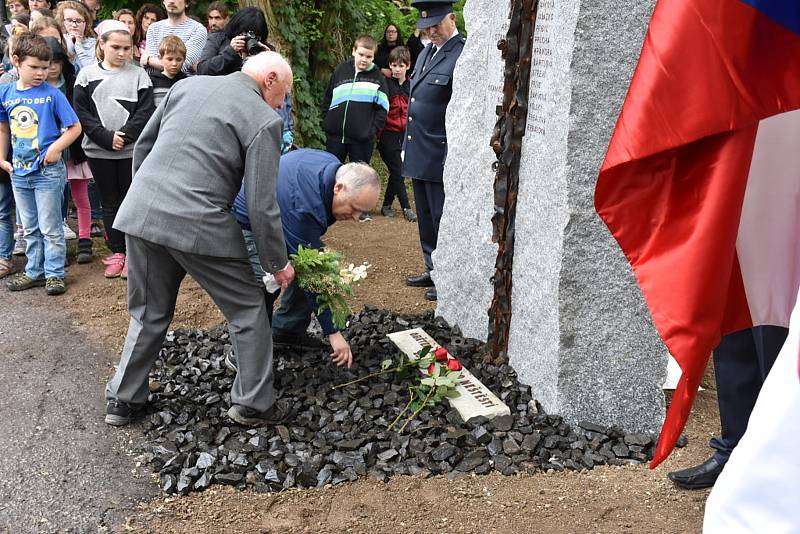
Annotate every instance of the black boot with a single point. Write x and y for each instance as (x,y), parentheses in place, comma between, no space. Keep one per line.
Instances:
(84,250)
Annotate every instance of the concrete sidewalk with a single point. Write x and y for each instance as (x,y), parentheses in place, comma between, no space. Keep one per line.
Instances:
(61,467)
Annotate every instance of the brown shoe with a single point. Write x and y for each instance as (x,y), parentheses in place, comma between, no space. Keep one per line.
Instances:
(6,267)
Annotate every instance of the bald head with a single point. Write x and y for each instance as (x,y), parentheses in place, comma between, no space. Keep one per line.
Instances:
(273,74)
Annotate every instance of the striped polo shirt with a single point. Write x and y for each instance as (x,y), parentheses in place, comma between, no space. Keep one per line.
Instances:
(192,33)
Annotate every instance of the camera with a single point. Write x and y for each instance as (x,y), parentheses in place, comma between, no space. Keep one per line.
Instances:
(252,44)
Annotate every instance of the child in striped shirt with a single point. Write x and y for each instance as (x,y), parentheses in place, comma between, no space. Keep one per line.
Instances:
(192,33)
(171,55)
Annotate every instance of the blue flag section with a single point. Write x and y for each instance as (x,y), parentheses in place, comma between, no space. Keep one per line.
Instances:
(783,12)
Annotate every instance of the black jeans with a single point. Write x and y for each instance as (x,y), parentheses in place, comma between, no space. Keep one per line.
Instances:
(357,151)
(113,178)
(390,146)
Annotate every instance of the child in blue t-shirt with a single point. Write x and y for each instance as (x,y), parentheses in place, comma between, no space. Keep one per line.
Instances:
(40,124)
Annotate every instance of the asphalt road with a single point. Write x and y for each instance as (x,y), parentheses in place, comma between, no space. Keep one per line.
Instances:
(62,469)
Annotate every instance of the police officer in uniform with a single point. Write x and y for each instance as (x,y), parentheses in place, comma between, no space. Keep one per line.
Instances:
(425,143)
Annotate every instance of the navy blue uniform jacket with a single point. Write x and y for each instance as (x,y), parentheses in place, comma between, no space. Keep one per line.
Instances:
(305,194)
(425,142)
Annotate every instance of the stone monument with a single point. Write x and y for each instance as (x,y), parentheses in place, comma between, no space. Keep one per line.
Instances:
(581,334)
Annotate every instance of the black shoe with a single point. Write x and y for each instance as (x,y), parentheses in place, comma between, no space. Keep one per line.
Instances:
(697,477)
(303,341)
(250,417)
(430,294)
(420,280)
(119,413)
(84,251)
(231,363)
(387,211)
(365,216)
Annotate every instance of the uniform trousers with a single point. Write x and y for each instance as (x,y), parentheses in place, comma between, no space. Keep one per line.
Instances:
(759,489)
(155,273)
(429,198)
(742,361)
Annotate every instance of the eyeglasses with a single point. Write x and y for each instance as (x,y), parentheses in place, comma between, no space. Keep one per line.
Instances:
(74,22)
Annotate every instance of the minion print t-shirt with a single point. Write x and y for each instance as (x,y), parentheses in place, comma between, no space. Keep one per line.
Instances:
(36,118)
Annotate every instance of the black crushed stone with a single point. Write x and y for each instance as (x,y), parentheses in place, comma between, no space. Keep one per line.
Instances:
(339,435)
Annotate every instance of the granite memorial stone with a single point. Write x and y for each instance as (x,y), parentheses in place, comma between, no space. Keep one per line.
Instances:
(581,334)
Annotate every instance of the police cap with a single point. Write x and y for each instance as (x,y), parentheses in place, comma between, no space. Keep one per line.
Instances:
(431,12)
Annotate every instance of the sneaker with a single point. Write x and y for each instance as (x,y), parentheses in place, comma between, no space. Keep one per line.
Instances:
(387,211)
(97,230)
(250,417)
(364,217)
(55,286)
(298,341)
(124,273)
(114,265)
(69,234)
(22,282)
(85,251)
(409,214)
(6,268)
(119,413)
(231,363)
(19,246)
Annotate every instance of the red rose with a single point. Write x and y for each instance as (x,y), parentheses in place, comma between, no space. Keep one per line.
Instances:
(440,354)
(431,368)
(454,365)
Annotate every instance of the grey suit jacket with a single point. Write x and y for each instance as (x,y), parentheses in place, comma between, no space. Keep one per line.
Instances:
(208,134)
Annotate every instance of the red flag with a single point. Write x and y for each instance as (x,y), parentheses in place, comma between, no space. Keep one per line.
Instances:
(675,179)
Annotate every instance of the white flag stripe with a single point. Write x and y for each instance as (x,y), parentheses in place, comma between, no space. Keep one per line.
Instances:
(768,243)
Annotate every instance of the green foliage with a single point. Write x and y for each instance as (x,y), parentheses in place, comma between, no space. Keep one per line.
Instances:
(315,36)
(320,35)
(319,273)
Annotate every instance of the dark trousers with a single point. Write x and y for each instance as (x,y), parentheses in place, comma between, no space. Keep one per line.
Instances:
(355,151)
(294,314)
(742,361)
(94,200)
(113,177)
(390,146)
(429,198)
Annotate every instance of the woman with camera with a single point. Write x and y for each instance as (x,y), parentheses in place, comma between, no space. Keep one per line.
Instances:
(225,51)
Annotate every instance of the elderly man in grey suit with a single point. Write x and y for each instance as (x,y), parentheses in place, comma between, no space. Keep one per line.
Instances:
(206,137)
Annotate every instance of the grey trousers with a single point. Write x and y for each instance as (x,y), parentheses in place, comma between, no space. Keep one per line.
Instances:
(155,273)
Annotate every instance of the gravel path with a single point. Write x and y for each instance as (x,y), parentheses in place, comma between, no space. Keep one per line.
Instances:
(61,468)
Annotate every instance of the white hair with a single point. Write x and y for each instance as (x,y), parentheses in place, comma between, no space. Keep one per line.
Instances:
(358,176)
(263,63)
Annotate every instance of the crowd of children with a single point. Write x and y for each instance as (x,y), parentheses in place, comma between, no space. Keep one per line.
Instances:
(74,99)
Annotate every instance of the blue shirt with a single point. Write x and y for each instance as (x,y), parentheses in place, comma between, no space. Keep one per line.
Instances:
(36,117)
(305,195)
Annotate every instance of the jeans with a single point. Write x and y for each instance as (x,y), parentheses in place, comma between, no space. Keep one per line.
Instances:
(294,314)
(258,271)
(6,226)
(94,200)
(39,196)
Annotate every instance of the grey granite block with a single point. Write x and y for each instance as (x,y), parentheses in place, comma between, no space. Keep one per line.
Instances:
(581,334)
